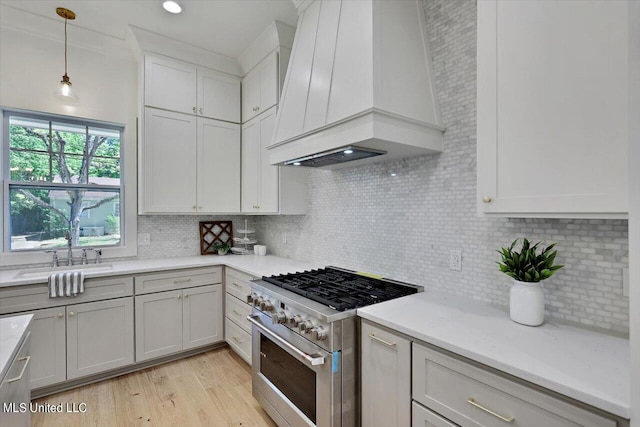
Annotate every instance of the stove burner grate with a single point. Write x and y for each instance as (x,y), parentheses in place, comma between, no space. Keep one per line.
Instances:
(339,289)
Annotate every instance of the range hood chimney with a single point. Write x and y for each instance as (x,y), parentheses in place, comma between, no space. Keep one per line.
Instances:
(359,87)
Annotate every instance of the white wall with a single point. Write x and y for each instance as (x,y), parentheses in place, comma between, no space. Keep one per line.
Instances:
(104,77)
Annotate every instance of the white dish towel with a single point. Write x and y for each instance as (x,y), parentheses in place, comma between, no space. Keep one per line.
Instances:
(66,284)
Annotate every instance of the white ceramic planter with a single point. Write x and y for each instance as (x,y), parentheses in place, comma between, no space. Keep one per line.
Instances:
(526,303)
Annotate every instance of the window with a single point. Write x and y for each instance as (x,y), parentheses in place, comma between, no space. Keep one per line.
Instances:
(63,175)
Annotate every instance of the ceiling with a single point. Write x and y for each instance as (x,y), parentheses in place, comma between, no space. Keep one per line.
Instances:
(226,27)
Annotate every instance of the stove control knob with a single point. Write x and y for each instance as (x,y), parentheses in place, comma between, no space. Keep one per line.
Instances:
(295,320)
(266,305)
(257,301)
(306,325)
(319,333)
(251,298)
(278,317)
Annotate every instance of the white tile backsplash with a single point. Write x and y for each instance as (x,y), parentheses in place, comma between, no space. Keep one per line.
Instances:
(404,227)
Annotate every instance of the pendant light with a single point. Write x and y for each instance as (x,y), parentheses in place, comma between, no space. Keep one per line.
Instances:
(65,90)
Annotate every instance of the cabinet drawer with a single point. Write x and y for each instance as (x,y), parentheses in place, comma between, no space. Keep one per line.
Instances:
(238,339)
(238,284)
(471,396)
(180,279)
(14,387)
(32,297)
(238,311)
(422,417)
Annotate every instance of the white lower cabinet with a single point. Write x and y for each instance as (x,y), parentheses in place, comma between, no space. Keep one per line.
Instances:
(15,389)
(172,321)
(48,347)
(410,383)
(202,316)
(237,328)
(422,417)
(99,336)
(386,378)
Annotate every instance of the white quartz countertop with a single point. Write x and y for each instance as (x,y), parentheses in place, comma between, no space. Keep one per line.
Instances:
(12,330)
(252,264)
(588,366)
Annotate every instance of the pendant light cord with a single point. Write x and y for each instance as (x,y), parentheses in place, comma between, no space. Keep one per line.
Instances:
(65,46)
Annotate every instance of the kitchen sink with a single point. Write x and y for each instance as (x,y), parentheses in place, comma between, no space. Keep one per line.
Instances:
(47,271)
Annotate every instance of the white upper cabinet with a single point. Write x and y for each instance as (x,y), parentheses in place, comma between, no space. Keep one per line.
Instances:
(189,164)
(260,88)
(218,96)
(168,158)
(218,161)
(267,188)
(169,84)
(178,86)
(552,108)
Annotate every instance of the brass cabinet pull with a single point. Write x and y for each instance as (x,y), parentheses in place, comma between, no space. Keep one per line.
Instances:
(24,368)
(472,401)
(387,343)
(236,312)
(194,109)
(186,295)
(486,199)
(60,315)
(200,109)
(236,285)
(181,281)
(179,296)
(71,314)
(239,341)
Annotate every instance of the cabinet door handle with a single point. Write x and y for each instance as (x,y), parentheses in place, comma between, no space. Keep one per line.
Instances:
(236,285)
(236,312)
(186,295)
(194,207)
(71,314)
(387,343)
(24,368)
(175,282)
(486,199)
(60,315)
(194,109)
(179,296)
(200,110)
(239,341)
(472,401)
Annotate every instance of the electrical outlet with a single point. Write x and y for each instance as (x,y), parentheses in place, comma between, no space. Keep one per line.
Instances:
(625,282)
(144,239)
(455,260)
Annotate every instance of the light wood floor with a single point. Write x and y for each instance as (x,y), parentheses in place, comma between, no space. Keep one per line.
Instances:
(210,389)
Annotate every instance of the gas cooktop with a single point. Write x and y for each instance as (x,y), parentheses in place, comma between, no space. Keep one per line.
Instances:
(341,289)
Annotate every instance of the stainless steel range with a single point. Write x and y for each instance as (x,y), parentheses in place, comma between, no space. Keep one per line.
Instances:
(305,343)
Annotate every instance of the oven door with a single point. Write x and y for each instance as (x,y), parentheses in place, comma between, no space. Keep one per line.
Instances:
(296,382)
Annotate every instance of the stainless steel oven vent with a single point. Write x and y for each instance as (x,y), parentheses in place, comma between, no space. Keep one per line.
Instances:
(334,157)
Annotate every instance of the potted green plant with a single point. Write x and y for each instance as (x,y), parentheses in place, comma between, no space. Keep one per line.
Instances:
(221,247)
(528,268)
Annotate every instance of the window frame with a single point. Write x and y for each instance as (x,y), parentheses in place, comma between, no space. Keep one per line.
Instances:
(128,217)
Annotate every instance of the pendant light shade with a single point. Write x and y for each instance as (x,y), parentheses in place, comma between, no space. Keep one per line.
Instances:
(65,90)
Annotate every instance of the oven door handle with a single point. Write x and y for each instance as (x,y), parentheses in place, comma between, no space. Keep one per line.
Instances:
(312,359)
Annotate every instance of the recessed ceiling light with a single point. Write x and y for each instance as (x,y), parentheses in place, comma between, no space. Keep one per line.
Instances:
(171,6)
(348,151)
(296,164)
(393,174)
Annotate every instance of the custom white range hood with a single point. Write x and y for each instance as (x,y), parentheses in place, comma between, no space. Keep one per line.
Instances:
(359,86)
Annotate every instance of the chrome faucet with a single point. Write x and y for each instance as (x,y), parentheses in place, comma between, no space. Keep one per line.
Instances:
(69,251)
